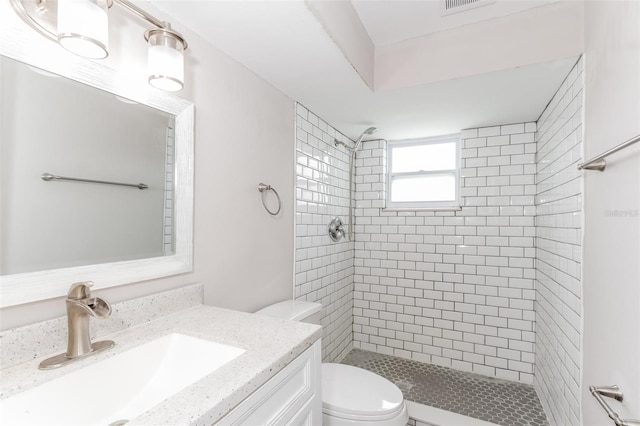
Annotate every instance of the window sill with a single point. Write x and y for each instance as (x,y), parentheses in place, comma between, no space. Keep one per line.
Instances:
(423,209)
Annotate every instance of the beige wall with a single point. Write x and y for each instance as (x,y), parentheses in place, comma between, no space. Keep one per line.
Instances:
(244,135)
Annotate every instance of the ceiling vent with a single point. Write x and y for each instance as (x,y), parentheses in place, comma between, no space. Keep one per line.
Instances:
(449,7)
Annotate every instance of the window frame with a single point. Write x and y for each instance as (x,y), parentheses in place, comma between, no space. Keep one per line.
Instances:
(423,205)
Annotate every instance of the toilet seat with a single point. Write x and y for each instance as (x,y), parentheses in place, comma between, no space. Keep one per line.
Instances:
(355,394)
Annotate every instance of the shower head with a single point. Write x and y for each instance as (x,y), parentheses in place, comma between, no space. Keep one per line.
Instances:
(369,131)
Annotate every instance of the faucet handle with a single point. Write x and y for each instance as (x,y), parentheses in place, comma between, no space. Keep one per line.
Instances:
(80,290)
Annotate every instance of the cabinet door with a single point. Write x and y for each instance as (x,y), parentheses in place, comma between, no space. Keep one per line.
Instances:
(292,396)
(307,416)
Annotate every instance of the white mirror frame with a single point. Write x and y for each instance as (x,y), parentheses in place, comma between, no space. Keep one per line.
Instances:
(25,45)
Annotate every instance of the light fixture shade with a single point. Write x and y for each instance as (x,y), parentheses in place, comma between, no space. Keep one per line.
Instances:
(166,60)
(83,27)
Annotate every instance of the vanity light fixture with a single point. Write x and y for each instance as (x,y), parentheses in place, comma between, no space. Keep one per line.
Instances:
(166,61)
(82,27)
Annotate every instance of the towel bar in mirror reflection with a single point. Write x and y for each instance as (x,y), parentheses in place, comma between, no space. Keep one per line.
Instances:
(96,232)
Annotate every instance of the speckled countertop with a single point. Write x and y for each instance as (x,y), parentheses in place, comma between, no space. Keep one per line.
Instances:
(270,344)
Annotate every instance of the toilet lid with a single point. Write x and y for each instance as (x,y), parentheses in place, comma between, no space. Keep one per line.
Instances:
(354,393)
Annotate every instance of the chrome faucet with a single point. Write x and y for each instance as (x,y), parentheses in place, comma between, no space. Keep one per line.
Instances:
(80,308)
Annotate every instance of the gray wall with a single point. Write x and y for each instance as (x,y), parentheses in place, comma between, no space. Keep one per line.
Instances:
(55,125)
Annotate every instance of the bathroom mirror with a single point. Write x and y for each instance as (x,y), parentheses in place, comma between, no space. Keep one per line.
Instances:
(83,123)
(58,140)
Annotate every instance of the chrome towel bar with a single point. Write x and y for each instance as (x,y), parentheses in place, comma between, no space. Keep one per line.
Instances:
(611,392)
(598,163)
(48,177)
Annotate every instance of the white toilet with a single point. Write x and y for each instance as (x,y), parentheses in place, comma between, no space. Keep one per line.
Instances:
(350,395)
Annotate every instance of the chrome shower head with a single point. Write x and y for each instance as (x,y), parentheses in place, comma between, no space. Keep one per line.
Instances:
(369,131)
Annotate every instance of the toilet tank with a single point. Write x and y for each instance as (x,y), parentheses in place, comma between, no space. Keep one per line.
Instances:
(294,310)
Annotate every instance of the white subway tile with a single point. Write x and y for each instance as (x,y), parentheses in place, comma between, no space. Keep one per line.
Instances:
(469,133)
(447,273)
(489,131)
(498,140)
(512,128)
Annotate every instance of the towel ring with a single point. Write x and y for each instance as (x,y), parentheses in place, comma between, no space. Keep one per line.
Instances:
(262,188)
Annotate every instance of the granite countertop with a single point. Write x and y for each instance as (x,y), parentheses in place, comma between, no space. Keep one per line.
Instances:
(270,345)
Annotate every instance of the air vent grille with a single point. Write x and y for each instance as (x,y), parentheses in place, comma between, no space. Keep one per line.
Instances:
(455,6)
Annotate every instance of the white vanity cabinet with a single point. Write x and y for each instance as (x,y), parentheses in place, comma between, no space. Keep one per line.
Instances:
(291,397)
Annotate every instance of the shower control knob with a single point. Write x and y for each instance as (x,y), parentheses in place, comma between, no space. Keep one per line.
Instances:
(336,229)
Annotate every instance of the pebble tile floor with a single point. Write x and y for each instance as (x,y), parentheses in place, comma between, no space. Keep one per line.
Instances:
(493,400)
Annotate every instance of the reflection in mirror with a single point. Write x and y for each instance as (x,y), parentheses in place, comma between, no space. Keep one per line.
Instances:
(56,125)
(164,211)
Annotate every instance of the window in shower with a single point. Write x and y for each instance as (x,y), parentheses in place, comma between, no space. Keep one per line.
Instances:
(423,173)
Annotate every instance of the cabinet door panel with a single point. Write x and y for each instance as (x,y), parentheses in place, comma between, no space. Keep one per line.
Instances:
(292,396)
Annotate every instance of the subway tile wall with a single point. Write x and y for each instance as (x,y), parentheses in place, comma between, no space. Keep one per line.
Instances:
(167,239)
(324,269)
(559,251)
(453,288)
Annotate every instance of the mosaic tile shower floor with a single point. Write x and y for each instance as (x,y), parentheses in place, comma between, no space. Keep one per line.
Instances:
(493,400)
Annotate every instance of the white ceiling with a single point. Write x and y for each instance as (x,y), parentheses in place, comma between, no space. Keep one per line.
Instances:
(283,42)
(389,22)
(503,97)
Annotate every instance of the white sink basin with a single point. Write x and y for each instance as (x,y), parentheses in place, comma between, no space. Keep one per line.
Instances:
(121,387)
